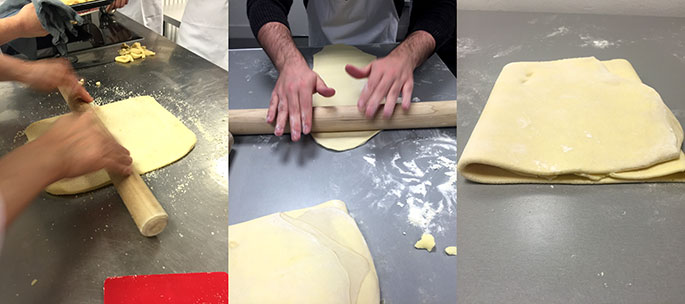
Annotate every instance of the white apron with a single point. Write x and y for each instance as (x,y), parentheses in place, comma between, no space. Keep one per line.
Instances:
(149,13)
(204,30)
(351,22)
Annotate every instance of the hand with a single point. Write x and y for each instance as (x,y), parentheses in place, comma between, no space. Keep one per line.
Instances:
(28,23)
(116,4)
(388,77)
(78,145)
(291,99)
(50,74)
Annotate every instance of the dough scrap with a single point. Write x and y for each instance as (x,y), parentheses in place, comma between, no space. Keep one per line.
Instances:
(451,250)
(279,258)
(154,137)
(72,2)
(330,63)
(575,121)
(427,242)
(130,53)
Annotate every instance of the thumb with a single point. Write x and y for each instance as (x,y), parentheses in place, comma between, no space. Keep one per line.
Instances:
(357,72)
(83,94)
(323,89)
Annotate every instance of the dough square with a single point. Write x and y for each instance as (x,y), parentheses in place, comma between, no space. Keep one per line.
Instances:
(153,135)
(311,255)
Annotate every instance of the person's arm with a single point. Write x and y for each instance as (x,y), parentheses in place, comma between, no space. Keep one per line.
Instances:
(291,99)
(431,24)
(116,4)
(393,74)
(24,24)
(43,75)
(74,145)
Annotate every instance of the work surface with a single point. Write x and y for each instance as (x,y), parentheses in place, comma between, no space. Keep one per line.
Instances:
(564,243)
(70,244)
(381,181)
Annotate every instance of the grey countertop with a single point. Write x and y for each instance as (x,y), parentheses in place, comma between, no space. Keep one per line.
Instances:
(379,181)
(564,243)
(70,244)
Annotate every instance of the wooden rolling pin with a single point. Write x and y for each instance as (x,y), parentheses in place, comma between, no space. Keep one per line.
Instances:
(146,211)
(430,114)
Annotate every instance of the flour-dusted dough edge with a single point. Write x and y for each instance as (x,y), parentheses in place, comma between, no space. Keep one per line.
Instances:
(183,142)
(350,237)
(476,168)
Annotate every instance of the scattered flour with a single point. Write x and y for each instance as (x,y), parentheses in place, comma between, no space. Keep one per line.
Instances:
(466,46)
(562,30)
(370,160)
(508,51)
(420,179)
(589,41)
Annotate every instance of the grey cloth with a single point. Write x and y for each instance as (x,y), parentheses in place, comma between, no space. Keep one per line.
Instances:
(54,16)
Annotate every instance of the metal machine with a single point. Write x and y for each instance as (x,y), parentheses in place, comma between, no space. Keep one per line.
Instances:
(99,30)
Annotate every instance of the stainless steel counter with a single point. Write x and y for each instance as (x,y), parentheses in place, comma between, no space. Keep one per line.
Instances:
(379,181)
(565,243)
(70,244)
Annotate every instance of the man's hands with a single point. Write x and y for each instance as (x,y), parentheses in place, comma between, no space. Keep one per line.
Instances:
(49,74)
(291,99)
(77,145)
(388,76)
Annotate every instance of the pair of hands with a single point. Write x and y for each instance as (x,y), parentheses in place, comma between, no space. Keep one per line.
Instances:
(77,144)
(291,99)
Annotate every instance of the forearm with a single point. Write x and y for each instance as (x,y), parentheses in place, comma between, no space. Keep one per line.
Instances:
(416,48)
(276,40)
(25,172)
(10,29)
(12,69)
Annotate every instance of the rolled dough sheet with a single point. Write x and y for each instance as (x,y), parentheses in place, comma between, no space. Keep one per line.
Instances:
(154,137)
(311,255)
(575,121)
(330,63)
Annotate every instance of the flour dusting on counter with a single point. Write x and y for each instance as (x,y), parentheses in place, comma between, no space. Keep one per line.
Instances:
(507,51)
(418,177)
(561,31)
(589,41)
(466,46)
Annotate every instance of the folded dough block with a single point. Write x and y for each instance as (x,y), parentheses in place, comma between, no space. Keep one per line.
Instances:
(154,137)
(311,255)
(575,121)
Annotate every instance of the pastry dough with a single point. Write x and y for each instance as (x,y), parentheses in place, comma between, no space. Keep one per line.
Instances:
(313,255)
(154,137)
(330,63)
(573,121)
(427,242)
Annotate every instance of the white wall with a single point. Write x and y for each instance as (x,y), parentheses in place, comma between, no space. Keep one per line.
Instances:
(239,26)
(673,8)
